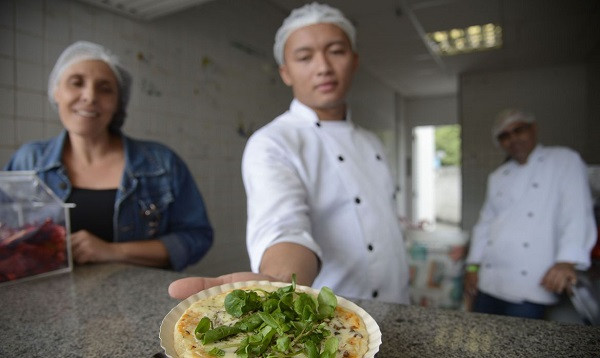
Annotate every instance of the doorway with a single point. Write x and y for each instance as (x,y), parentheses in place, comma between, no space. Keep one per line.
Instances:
(436,196)
(436,244)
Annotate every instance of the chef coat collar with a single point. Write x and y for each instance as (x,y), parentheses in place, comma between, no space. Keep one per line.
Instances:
(308,115)
(536,155)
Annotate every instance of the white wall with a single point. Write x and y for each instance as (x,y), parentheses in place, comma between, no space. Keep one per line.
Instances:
(432,111)
(556,95)
(374,107)
(198,75)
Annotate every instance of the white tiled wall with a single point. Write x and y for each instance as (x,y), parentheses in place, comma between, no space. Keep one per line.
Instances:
(198,76)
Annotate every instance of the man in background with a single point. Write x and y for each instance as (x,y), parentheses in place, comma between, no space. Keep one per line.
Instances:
(536,226)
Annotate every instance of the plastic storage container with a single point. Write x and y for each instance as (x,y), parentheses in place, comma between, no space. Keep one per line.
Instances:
(34,229)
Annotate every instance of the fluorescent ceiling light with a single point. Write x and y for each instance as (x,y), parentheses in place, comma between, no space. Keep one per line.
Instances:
(469,39)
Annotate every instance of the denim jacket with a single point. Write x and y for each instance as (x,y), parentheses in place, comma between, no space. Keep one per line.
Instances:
(157,198)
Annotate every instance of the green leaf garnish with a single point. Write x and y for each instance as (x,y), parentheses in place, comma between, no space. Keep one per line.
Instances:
(249,323)
(203,326)
(219,333)
(327,302)
(283,323)
(217,352)
(239,302)
(330,347)
(311,350)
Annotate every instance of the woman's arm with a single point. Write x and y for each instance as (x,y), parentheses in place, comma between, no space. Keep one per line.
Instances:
(189,233)
(88,248)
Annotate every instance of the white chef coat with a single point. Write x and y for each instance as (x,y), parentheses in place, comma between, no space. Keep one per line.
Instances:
(326,185)
(534,216)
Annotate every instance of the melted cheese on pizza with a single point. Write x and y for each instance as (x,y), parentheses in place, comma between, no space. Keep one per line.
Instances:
(346,325)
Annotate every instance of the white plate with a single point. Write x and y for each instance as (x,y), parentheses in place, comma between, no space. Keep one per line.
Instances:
(168,323)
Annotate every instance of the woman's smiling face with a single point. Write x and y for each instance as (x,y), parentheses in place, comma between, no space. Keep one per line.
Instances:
(87,96)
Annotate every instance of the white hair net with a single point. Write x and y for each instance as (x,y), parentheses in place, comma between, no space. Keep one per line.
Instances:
(508,116)
(311,14)
(82,51)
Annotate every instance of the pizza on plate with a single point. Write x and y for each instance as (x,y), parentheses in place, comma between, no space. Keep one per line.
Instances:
(268,321)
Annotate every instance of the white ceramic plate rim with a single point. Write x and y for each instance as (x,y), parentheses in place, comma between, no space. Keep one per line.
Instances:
(168,323)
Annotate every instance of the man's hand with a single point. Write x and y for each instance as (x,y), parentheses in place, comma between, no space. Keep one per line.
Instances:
(560,277)
(279,262)
(470,282)
(470,288)
(185,287)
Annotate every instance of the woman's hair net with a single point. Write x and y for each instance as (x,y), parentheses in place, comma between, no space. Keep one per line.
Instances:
(311,14)
(82,51)
(508,116)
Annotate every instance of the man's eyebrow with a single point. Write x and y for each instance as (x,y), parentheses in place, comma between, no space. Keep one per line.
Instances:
(339,42)
(310,48)
(300,49)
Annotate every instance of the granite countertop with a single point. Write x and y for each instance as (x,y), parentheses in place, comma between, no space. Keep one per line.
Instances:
(116,310)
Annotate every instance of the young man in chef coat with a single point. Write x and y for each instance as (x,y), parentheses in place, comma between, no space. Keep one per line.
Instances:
(536,227)
(321,199)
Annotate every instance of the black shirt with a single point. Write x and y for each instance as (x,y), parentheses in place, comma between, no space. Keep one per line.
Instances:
(93,212)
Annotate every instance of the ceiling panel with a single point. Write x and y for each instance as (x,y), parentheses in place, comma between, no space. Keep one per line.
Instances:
(458,14)
(390,34)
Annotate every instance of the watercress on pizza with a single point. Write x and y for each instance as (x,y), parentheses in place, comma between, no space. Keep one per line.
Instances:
(269,321)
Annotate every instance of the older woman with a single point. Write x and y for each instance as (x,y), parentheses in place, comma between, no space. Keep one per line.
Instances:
(136,201)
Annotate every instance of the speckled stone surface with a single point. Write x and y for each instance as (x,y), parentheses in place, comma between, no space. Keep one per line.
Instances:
(116,310)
